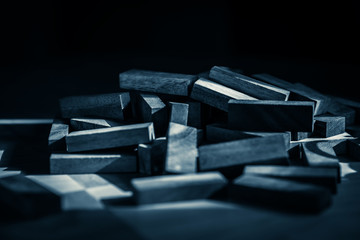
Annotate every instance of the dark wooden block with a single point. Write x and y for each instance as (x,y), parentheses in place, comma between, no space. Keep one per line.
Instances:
(247,85)
(276,116)
(261,150)
(297,136)
(25,129)
(111,105)
(294,152)
(181,150)
(215,94)
(156,82)
(79,124)
(328,126)
(177,187)
(325,177)
(200,137)
(338,109)
(179,113)
(59,130)
(104,138)
(196,112)
(152,156)
(280,194)
(6,172)
(350,104)
(353,149)
(93,163)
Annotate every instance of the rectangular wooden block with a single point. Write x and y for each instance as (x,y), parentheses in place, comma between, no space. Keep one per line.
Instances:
(79,124)
(327,126)
(93,163)
(338,109)
(104,138)
(152,156)
(179,113)
(354,105)
(325,177)
(177,187)
(266,115)
(59,130)
(196,112)
(280,193)
(247,85)
(261,150)
(181,150)
(215,94)
(156,82)
(297,136)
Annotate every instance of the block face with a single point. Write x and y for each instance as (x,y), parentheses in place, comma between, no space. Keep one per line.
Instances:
(339,109)
(262,150)
(177,187)
(276,116)
(215,94)
(195,117)
(179,113)
(152,156)
(59,130)
(79,124)
(156,82)
(110,137)
(328,126)
(110,105)
(181,150)
(216,133)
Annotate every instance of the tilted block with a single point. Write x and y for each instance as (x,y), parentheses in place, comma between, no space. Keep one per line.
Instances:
(328,126)
(79,124)
(152,156)
(179,113)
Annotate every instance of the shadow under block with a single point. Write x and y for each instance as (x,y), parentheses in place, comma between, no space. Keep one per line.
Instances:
(111,105)
(181,153)
(104,138)
(248,85)
(328,126)
(215,94)
(93,163)
(59,130)
(172,188)
(261,150)
(325,177)
(26,197)
(280,193)
(269,115)
(156,82)
(179,113)
(152,156)
(79,124)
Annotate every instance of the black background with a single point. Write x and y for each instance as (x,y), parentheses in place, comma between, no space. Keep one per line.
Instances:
(52,49)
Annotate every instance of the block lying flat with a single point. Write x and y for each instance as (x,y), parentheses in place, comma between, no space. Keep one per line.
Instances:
(177,187)
(215,94)
(261,150)
(59,130)
(325,177)
(110,105)
(179,113)
(181,150)
(152,156)
(79,124)
(247,85)
(92,163)
(156,82)
(276,116)
(280,193)
(327,126)
(103,138)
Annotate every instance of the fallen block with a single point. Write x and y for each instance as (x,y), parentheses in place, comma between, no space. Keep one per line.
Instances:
(111,105)
(152,156)
(247,85)
(179,113)
(327,126)
(214,94)
(59,130)
(279,193)
(161,189)
(156,82)
(181,150)
(275,116)
(104,138)
(79,124)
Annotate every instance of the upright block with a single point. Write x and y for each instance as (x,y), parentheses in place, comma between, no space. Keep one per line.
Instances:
(156,82)
(104,138)
(177,187)
(79,124)
(276,116)
(327,126)
(280,193)
(181,150)
(152,156)
(214,94)
(59,130)
(247,85)
(179,113)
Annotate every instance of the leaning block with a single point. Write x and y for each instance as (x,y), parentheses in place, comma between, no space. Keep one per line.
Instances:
(152,156)
(179,113)
(59,130)
(161,189)
(104,138)
(79,124)
(327,126)
(275,116)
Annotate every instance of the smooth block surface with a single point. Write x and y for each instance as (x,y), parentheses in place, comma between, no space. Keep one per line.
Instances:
(177,187)
(179,113)
(266,115)
(152,156)
(103,138)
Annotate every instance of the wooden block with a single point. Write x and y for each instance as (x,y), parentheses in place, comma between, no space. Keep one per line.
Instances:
(156,82)
(181,150)
(104,138)
(93,163)
(280,194)
(276,116)
(152,156)
(297,136)
(354,105)
(25,129)
(247,85)
(294,152)
(325,177)
(353,149)
(196,112)
(177,187)
(26,197)
(261,150)
(338,109)
(6,172)
(111,105)
(214,94)
(59,130)
(179,113)
(327,126)
(79,124)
